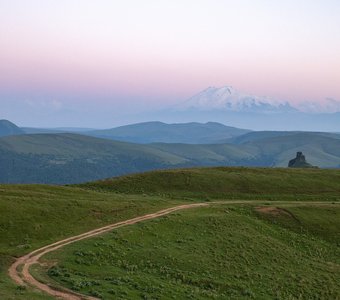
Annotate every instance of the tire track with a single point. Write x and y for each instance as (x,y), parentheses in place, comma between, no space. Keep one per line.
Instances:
(22,275)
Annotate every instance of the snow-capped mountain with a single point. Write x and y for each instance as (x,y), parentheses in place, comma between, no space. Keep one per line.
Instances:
(327,106)
(231,107)
(229,99)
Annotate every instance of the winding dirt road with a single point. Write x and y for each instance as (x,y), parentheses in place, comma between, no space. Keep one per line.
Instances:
(19,271)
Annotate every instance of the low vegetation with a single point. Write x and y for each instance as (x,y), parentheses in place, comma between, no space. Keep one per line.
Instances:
(233,246)
(229,183)
(221,252)
(33,216)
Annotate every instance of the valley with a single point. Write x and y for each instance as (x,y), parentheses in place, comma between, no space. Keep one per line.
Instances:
(67,158)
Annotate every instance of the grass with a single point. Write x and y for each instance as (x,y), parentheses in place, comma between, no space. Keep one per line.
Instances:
(37,215)
(228,183)
(73,158)
(319,220)
(33,216)
(222,252)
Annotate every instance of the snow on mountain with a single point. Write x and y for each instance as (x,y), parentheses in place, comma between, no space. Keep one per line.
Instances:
(327,106)
(229,99)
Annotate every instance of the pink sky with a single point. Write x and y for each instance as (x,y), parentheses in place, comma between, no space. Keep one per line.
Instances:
(169,50)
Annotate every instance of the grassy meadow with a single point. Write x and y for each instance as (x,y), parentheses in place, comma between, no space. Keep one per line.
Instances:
(36,215)
(219,252)
(215,252)
(229,183)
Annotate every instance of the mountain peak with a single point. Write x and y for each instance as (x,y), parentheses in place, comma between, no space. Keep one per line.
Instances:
(227,98)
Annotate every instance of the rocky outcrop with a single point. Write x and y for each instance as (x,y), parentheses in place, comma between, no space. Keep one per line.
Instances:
(299,162)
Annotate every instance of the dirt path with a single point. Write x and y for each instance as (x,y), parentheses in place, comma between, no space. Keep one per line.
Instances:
(19,271)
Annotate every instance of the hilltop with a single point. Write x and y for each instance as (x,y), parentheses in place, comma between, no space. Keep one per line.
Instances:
(188,133)
(8,128)
(226,182)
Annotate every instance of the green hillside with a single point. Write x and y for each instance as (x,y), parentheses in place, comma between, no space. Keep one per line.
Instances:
(226,182)
(320,150)
(36,215)
(7,128)
(219,252)
(218,154)
(73,158)
(261,135)
(70,158)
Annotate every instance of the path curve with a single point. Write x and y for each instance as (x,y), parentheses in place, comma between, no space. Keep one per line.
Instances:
(22,275)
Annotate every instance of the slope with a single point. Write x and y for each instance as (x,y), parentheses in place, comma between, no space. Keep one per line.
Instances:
(189,133)
(320,150)
(8,128)
(70,158)
(228,182)
(260,135)
(218,252)
(36,215)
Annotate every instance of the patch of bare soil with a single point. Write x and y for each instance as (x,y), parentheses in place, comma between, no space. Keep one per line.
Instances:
(274,211)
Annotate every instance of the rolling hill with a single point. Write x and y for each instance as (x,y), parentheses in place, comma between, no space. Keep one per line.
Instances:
(283,219)
(188,133)
(72,158)
(33,130)
(227,182)
(216,252)
(320,150)
(8,128)
(261,135)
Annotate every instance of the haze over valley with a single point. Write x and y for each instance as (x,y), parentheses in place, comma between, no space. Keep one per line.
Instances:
(72,156)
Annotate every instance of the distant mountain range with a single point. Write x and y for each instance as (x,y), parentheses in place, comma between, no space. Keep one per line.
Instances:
(150,132)
(72,158)
(229,99)
(188,133)
(230,106)
(31,130)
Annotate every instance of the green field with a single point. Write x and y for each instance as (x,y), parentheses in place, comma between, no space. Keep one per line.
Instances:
(207,253)
(229,183)
(33,216)
(220,252)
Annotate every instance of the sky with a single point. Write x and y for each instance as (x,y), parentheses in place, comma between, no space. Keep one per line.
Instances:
(85,62)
